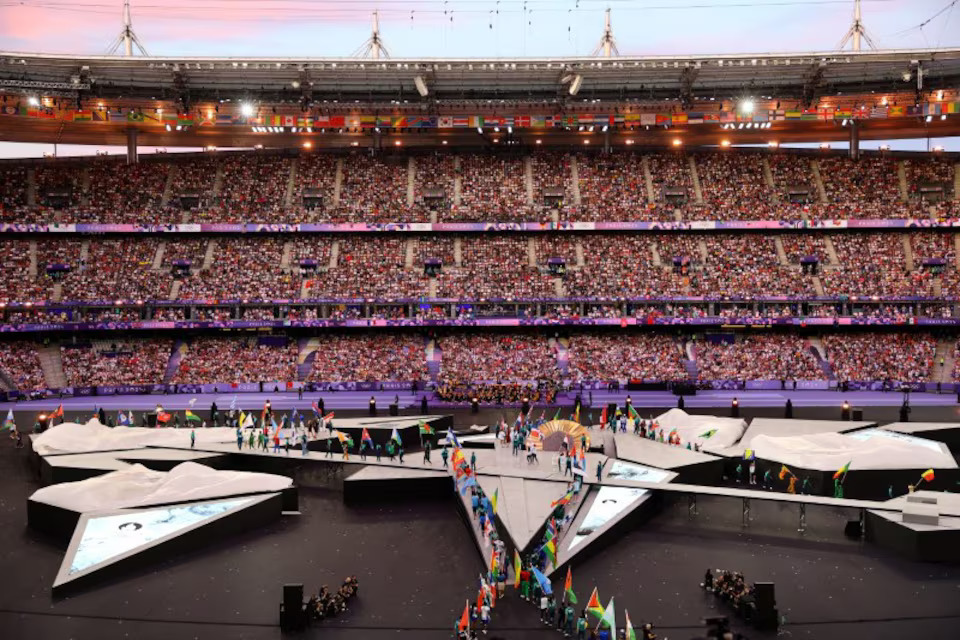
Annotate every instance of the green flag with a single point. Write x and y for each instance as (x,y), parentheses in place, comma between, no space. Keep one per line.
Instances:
(609,618)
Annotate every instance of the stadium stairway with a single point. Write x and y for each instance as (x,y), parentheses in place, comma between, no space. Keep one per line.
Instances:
(208,255)
(6,384)
(411,177)
(781,252)
(434,356)
(32,271)
(291,183)
(457,182)
(179,350)
(175,289)
(945,350)
(528,177)
(305,357)
(158,256)
(52,365)
(338,182)
(334,254)
(31,187)
(817,285)
(819,354)
(647,179)
(956,182)
(561,347)
(902,176)
(818,179)
(57,293)
(690,361)
(698,192)
(575,180)
(956,247)
(168,186)
(831,251)
(907,252)
(286,255)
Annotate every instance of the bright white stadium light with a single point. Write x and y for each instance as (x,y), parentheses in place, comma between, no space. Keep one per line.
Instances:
(938,149)
(740,126)
(168,127)
(929,118)
(246,110)
(746,106)
(576,84)
(509,130)
(421,85)
(33,101)
(605,128)
(496,129)
(480,130)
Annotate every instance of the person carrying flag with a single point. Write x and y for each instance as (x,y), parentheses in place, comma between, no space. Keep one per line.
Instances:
(444,455)
(239,439)
(426,452)
(473,461)
(193,438)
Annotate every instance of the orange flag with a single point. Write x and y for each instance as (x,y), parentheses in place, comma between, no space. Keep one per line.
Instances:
(464,623)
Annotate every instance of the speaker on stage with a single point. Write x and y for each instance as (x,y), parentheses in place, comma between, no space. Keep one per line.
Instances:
(394,409)
(423,406)
(680,403)
(767,615)
(474,405)
(292,615)
(320,405)
(373,406)
(788,410)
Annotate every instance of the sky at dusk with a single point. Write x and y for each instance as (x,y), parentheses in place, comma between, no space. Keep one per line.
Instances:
(470,28)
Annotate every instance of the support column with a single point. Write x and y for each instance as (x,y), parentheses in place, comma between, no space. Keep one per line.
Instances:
(132,157)
(854,140)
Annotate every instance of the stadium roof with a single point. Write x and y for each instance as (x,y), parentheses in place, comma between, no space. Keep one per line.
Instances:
(780,75)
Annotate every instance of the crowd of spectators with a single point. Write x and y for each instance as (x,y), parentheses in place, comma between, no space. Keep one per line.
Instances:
(194,177)
(873,264)
(125,193)
(243,268)
(742,265)
(374,189)
(930,171)
(551,174)
(631,357)
(798,246)
(316,178)
(491,357)
(230,360)
(613,187)
(118,268)
(369,268)
(13,191)
(369,358)
(761,357)
(897,357)
(791,171)
(492,187)
(734,187)
(436,173)
(494,267)
(670,172)
(20,365)
(623,266)
(16,283)
(865,188)
(106,362)
(253,188)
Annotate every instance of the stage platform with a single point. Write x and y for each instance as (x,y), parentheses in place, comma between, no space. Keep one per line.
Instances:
(937,542)
(691,467)
(945,432)
(785,427)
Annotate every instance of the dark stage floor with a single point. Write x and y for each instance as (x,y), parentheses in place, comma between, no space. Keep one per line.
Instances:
(417,563)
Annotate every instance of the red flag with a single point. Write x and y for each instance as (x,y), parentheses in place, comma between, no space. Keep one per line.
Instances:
(163,417)
(464,623)
(58,413)
(328,417)
(603,418)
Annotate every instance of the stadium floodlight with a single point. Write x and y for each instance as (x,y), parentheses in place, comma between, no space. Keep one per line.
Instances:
(575,84)
(746,106)
(773,144)
(509,130)
(605,128)
(943,117)
(724,143)
(246,110)
(938,149)
(168,127)
(422,87)
(33,101)
(480,130)
(929,118)
(677,142)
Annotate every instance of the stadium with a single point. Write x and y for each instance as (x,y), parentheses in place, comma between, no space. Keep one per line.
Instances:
(629,317)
